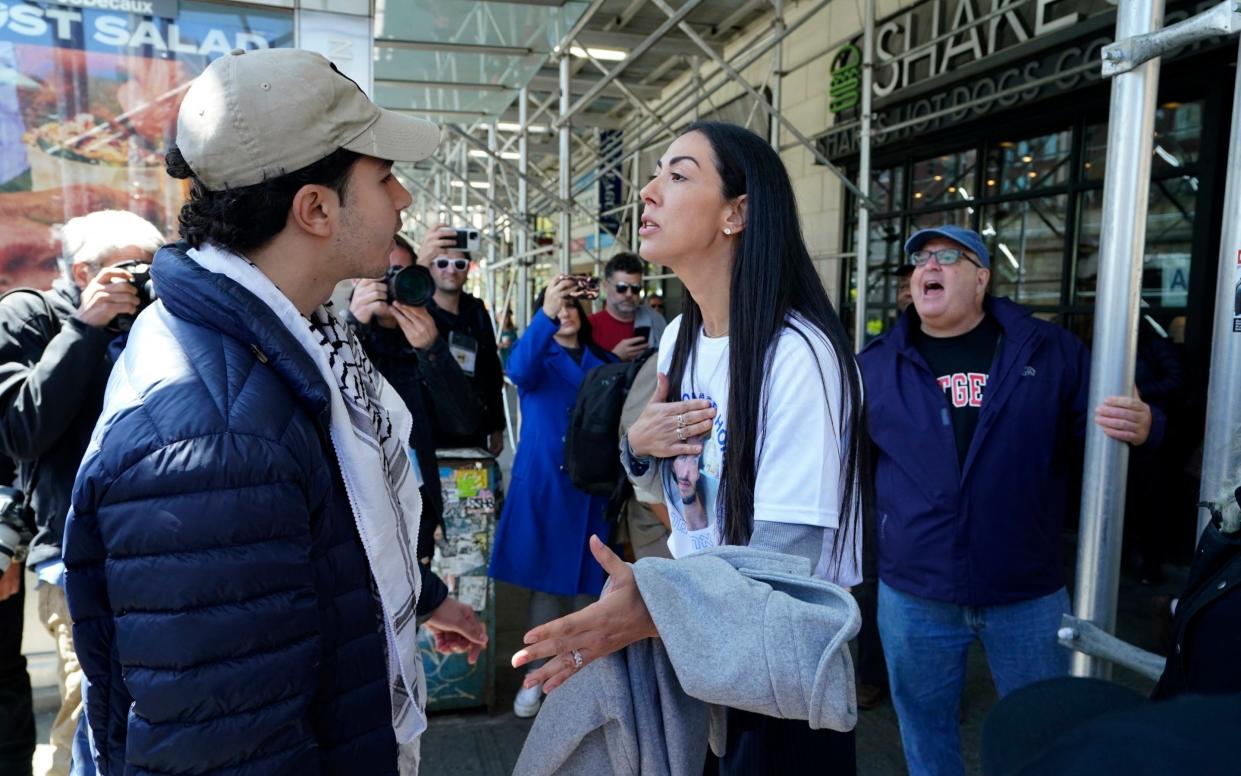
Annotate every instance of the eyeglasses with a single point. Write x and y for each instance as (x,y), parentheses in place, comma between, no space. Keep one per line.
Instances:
(945,256)
(627,288)
(461,265)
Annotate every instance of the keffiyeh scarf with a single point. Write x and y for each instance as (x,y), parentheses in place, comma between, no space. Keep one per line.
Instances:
(369,441)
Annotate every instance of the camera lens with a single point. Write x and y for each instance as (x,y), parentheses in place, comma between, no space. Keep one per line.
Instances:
(410,285)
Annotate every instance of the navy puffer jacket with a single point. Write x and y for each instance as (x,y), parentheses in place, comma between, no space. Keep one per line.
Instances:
(221,597)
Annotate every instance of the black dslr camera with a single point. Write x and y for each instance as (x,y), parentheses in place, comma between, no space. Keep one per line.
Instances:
(410,285)
(141,272)
(14,519)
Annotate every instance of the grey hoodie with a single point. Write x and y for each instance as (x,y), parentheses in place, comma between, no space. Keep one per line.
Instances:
(740,627)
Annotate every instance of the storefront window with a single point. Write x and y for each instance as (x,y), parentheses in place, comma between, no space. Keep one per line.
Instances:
(1019,166)
(1094,155)
(1178,133)
(88,106)
(885,255)
(1026,242)
(944,179)
(1169,242)
(886,188)
(959,217)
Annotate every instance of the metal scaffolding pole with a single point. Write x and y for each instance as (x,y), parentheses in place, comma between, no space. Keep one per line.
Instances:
(635,187)
(465,184)
(862,240)
(696,65)
(1126,187)
(523,169)
(1220,462)
(543,191)
(566,161)
(689,94)
(762,101)
(412,180)
(674,18)
(496,314)
(777,67)
(468,190)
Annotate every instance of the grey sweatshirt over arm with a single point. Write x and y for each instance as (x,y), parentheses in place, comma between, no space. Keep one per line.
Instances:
(739,627)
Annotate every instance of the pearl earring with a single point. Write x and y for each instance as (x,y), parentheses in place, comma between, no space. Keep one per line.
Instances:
(728,231)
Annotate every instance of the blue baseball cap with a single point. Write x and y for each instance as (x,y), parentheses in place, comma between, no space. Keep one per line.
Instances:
(967,238)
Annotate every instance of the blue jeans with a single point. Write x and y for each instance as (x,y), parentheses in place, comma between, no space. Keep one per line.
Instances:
(926,643)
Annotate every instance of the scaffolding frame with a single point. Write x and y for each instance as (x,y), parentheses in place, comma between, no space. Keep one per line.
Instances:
(518,246)
(545,190)
(1133,63)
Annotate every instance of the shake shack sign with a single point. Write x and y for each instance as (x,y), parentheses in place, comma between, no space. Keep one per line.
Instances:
(937,65)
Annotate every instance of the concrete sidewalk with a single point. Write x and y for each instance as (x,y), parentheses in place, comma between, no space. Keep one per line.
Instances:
(483,743)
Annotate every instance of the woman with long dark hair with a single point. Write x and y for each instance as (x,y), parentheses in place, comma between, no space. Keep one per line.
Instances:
(758,424)
(541,540)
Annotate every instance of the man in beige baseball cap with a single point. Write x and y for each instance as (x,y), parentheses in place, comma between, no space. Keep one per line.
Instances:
(241,553)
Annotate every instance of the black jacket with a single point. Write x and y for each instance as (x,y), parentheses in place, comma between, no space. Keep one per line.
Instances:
(1204,658)
(473,321)
(52,378)
(432,385)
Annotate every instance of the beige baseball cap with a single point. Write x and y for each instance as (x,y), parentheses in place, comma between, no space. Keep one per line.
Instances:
(255,115)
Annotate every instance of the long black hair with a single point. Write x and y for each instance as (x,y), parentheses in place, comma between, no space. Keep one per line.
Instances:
(772,276)
(585,334)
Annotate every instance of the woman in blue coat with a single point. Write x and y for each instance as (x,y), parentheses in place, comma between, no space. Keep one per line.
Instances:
(542,540)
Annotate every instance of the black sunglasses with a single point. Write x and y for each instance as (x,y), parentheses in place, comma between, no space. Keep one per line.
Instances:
(627,288)
(461,265)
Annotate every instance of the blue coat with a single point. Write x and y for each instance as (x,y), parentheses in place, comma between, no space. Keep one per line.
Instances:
(541,542)
(220,594)
(990,532)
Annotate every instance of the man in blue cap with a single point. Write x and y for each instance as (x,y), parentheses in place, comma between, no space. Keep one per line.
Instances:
(977,411)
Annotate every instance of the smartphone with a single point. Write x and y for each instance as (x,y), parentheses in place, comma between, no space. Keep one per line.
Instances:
(467,240)
(587,287)
(642,331)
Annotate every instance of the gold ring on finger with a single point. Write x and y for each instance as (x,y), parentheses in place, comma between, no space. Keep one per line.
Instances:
(681,433)
(681,421)
(577,659)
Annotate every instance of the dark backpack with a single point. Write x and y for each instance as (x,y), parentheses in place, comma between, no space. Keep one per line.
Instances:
(591,452)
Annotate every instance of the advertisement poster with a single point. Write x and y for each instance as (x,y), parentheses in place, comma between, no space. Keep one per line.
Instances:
(89,92)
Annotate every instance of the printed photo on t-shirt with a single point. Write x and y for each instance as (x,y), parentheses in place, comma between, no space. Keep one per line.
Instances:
(692,486)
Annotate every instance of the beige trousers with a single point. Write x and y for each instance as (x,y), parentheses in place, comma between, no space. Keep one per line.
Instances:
(54,612)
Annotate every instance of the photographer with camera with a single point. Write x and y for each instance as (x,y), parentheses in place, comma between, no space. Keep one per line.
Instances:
(399,336)
(466,325)
(55,357)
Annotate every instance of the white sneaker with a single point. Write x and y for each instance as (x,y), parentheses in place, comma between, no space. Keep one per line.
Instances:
(528,701)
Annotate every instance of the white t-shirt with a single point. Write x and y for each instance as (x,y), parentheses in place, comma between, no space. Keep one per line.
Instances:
(800,450)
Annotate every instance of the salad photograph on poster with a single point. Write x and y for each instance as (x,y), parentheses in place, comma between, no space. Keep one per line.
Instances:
(89,93)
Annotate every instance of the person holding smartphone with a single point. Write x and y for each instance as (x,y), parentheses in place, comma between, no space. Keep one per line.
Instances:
(463,320)
(625,326)
(541,542)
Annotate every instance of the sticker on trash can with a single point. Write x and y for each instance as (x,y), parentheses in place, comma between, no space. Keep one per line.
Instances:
(470,482)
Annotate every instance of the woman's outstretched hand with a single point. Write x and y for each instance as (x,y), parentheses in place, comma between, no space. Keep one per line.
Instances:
(612,623)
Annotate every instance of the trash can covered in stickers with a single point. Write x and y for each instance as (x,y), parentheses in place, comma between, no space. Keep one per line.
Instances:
(470,480)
